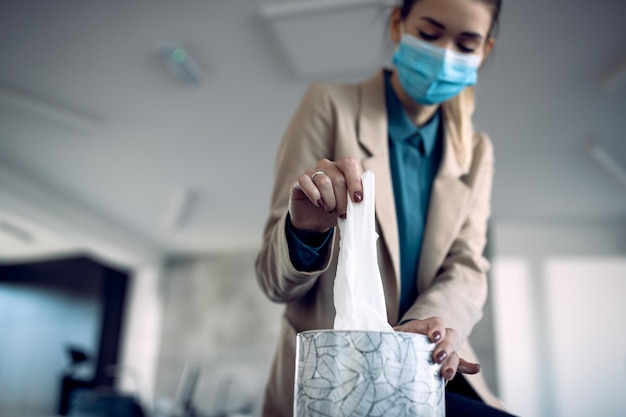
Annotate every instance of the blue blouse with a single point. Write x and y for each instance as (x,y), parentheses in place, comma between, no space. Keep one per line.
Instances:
(414,157)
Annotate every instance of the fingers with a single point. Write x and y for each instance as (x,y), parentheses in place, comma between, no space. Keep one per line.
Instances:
(445,354)
(331,183)
(446,340)
(320,194)
(341,179)
(469,368)
(331,186)
(446,346)
(455,364)
(432,327)
(449,367)
(305,186)
(352,175)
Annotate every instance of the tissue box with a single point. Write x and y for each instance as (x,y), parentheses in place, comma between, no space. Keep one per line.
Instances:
(363,373)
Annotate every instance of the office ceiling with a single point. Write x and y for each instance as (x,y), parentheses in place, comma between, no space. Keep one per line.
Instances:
(89,113)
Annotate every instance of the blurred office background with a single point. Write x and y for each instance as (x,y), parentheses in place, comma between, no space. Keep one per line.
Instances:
(137,142)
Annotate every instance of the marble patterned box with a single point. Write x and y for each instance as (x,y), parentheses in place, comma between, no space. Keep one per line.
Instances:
(363,373)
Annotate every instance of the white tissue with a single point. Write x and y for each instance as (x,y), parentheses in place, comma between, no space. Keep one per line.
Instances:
(358,292)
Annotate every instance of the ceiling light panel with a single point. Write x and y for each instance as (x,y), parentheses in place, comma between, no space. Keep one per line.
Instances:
(323,38)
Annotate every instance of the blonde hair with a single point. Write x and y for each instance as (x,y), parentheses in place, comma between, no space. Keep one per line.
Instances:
(460,109)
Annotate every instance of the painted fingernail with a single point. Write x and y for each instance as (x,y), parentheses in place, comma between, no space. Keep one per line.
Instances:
(449,373)
(320,203)
(441,356)
(358,196)
(342,216)
(437,336)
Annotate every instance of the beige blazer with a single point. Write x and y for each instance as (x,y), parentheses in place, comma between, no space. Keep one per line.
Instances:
(339,120)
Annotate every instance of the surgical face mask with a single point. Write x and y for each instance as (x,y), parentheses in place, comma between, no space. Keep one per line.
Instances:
(430,74)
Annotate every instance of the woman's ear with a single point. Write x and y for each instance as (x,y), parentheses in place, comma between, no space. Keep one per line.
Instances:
(395,25)
(487,49)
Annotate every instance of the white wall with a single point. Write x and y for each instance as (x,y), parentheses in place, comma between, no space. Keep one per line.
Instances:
(558,312)
(139,344)
(587,350)
(216,317)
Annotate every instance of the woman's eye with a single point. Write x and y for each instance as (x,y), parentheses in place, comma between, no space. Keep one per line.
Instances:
(427,36)
(466,49)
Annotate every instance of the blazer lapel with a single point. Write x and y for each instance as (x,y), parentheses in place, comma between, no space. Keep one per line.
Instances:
(449,193)
(448,198)
(372,136)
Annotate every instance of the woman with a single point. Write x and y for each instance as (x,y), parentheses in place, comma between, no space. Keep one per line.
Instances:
(412,127)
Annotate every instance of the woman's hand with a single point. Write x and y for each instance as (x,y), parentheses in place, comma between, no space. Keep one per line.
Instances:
(320,194)
(446,340)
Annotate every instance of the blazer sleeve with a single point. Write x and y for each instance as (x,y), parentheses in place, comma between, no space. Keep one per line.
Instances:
(309,138)
(459,290)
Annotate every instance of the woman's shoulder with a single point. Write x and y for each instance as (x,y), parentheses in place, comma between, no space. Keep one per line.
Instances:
(335,93)
(482,158)
(482,143)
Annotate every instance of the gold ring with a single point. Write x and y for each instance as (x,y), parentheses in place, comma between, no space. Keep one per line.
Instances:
(315,174)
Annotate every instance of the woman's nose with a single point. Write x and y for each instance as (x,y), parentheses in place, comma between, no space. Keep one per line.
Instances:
(445,43)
